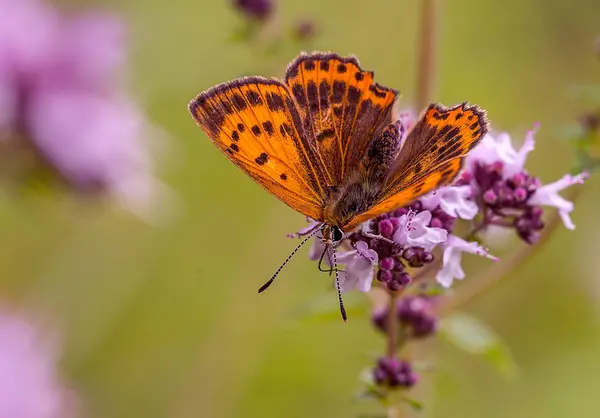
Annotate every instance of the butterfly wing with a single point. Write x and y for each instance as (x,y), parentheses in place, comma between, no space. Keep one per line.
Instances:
(255,123)
(341,106)
(431,156)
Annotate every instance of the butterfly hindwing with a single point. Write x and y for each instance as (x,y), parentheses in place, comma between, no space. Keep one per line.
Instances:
(431,156)
(342,106)
(256,124)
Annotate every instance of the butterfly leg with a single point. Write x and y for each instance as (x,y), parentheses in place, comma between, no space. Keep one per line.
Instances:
(321,269)
(380,237)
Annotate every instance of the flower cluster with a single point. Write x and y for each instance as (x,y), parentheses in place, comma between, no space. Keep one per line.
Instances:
(393,373)
(400,248)
(29,382)
(493,190)
(61,102)
(415,315)
(507,195)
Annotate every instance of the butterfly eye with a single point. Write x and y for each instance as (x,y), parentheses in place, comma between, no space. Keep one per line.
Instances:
(336,234)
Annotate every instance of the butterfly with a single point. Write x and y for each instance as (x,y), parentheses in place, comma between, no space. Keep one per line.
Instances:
(324,140)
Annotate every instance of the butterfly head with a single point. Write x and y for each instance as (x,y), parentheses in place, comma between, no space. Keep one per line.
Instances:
(332,234)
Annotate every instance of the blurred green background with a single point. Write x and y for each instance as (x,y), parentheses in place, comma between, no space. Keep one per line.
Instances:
(166,322)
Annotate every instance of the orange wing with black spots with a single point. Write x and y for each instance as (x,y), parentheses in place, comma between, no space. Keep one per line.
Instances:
(255,123)
(431,157)
(341,106)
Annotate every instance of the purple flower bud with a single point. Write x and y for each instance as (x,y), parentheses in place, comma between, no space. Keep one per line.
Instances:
(305,30)
(505,196)
(394,285)
(520,194)
(386,228)
(392,373)
(403,278)
(387,263)
(436,223)
(497,167)
(255,9)
(537,211)
(466,177)
(416,314)
(384,276)
(519,179)
(401,211)
(490,197)
(409,254)
(379,375)
(416,206)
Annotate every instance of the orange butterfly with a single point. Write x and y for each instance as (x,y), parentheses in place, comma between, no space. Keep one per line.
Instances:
(324,141)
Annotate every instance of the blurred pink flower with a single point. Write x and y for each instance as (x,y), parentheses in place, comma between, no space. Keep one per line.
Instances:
(29,382)
(59,89)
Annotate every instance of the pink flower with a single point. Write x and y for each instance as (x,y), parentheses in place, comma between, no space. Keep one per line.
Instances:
(59,92)
(548,195)
(496,148)
(359,267)
(453,249)
(454,200)
(414,231)
(29,383)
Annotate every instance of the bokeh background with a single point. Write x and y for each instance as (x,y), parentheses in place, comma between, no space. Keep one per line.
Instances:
(165,321)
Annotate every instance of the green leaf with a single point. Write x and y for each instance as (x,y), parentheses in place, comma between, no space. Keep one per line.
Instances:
(474,336)
(413,403)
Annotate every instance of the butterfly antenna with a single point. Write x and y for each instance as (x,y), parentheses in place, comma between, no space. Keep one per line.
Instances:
(267,284)
(337,285)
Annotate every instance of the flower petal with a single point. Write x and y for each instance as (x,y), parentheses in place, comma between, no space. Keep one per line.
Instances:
(548,195)
(414,232)
(453,249)
(454,200)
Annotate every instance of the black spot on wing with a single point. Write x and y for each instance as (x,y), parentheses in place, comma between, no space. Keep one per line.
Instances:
(339,91)
(238,102)
(254,98)
(313,96)
(262,159)
(268,127)
(275,102)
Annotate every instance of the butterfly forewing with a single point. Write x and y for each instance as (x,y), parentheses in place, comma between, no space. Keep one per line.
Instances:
(431,157)
(256,124)
(342,107)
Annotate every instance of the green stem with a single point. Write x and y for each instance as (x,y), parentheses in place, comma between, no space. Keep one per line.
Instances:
(427,53)
(392,326)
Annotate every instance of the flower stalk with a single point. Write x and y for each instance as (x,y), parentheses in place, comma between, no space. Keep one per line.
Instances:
(427,49)
(392,325)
